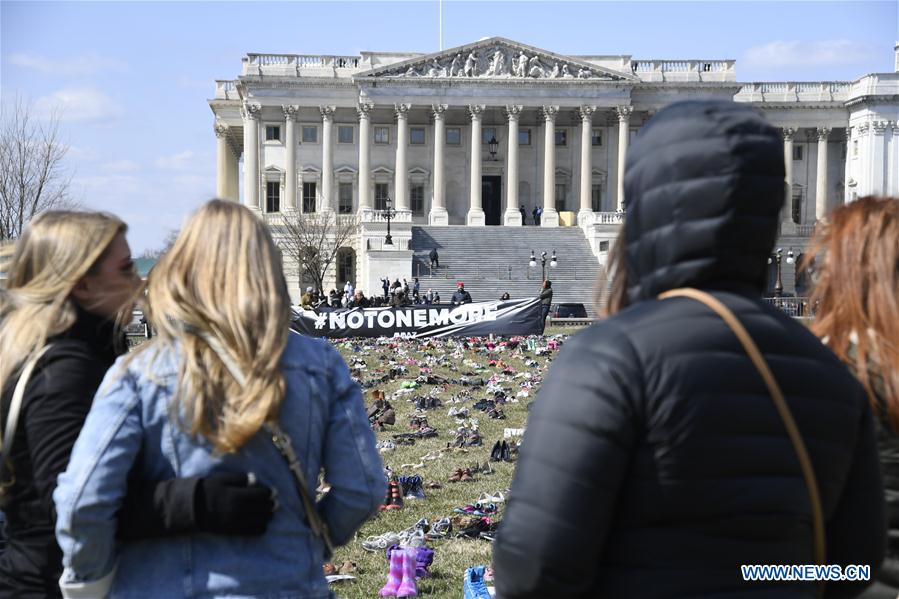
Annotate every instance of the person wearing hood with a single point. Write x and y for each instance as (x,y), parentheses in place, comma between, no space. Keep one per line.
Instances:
(654,452)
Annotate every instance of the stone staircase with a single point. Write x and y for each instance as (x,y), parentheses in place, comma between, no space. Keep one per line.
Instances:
(492,260)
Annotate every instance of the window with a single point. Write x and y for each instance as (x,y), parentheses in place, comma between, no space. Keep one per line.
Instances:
(345,198)
(855,148)
(797,152)
(273,196)
(796,205)
(596,139)
(382,135)
(345,270)
(310,134)
(561,192)
(344,134)
(309,197)
(603,246)
(453,136)
(524,137)
(272,133)
(561,137)
(380,196)
(417,198)
(417,136)
(487,133)
(596,197)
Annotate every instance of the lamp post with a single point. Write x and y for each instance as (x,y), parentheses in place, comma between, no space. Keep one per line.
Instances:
(389,213)
(553,262)
(776,258)
(492,145)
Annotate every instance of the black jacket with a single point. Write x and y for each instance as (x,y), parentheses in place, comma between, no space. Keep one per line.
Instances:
(655,463)
(56,402)
(460,296)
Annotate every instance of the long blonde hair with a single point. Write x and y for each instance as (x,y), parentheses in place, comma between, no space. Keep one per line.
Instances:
(857,291)
(223,278)
(56,250)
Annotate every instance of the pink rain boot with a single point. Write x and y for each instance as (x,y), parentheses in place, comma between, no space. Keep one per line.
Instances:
(407,586)
(395,576)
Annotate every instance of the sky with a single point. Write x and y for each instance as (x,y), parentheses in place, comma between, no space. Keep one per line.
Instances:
(131,80)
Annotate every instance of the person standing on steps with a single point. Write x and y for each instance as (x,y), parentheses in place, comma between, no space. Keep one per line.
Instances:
(434,257)
(546,301)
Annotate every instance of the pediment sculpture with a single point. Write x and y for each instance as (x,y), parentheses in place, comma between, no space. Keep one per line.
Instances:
(496,61)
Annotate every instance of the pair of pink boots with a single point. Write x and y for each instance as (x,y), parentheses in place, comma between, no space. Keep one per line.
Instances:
(401,578)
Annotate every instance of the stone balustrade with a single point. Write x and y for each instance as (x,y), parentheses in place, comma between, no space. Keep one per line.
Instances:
(819,91)
(608,218)
(804,230)
(225,90)
(685,70)
(299,65)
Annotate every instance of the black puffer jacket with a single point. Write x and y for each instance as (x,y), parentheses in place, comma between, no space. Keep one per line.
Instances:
(654,462)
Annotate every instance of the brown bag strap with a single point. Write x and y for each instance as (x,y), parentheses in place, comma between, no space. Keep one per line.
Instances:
(780,403)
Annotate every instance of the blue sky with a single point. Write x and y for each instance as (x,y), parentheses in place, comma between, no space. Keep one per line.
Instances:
(132,78)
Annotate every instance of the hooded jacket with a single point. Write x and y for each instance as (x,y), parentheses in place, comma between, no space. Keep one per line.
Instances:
(655,463)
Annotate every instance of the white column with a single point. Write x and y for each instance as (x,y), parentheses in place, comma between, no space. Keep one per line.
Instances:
(787,214)
(364,111)
(290,157)
(327,158)
(438,214)
(550,217)
(476,216)
(624,119)
(401,201)
(251,114)
(585,214)
(821,175)
(221,160)
(512,216)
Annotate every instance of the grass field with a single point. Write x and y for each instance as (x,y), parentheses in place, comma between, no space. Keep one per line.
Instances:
(450,360)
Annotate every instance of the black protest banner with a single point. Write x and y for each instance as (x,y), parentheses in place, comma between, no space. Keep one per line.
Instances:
(513,317)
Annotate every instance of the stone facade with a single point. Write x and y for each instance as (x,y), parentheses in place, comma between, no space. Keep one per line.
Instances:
(459,137)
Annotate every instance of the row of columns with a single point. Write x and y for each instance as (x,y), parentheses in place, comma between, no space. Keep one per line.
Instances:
(438,214)
(820,176)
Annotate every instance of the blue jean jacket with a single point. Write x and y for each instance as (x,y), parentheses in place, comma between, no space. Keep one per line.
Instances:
(129,428)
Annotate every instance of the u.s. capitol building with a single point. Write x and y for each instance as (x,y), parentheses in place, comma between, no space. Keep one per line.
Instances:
(460,137)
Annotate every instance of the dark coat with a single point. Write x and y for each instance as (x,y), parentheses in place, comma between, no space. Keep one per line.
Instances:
(56,402)
(460,297)
(655,462)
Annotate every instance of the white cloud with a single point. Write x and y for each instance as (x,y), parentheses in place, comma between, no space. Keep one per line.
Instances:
(116,185)
(181,161)
(73,66)
(809,54)
(78,104)
(121,166)
(81,153)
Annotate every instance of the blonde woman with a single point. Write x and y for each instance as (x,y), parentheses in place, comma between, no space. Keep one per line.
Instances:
(194,401)
(70,278)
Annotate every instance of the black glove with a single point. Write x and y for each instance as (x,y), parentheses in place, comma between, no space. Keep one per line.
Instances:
(226,503)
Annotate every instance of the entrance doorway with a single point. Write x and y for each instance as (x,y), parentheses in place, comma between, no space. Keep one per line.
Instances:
(492,198)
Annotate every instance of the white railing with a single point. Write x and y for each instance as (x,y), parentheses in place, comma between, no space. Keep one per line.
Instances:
(797,307)
(608,218)
(225,90)
(804,230)
(789,91)
(684,70)
(295,64)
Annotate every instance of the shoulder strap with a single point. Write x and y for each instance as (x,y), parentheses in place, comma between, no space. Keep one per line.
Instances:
(780,403)
(15,405)
(283,444)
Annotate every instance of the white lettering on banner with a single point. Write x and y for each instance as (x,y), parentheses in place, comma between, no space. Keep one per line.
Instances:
(404,318)
(438,317)
(355,320)
(385,319)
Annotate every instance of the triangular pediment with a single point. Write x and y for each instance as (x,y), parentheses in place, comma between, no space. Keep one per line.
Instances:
(496,58)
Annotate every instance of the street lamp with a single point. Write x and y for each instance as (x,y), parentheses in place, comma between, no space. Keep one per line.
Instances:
(553,262)
(389,213)
(492,145)
(778,256)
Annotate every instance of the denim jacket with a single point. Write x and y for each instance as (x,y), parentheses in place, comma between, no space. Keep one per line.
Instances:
(130,431)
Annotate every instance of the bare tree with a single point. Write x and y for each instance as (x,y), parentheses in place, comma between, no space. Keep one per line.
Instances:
(312,240)
(167,243)
(32,175)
